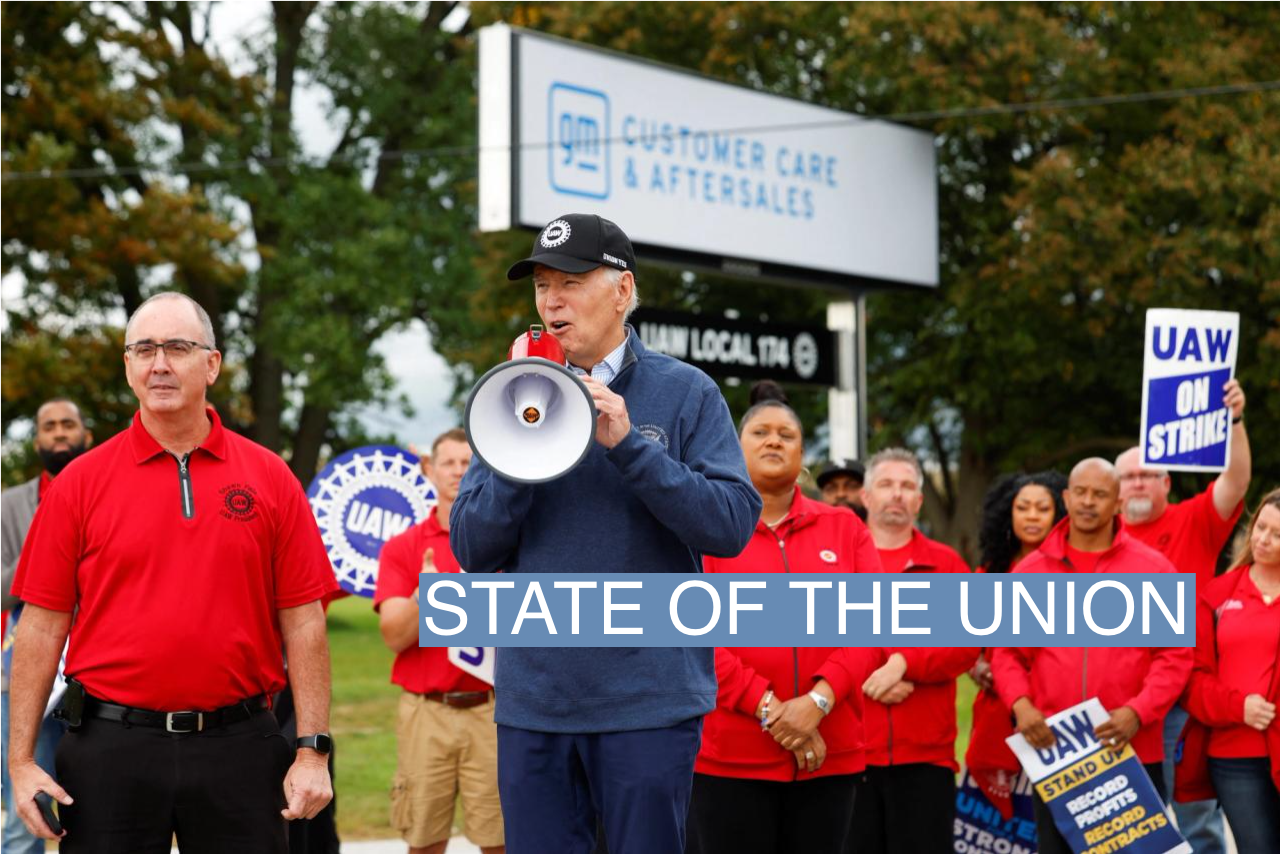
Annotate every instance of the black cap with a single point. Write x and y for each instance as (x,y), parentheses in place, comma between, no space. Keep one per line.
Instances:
(852,468)
(578,243)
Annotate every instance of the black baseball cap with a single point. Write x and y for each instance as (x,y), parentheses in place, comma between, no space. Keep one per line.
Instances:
(578,243)
(852,468)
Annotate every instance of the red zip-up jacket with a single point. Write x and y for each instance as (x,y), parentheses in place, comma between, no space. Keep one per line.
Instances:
(813,538)
(922,728)
(1211,703)
(1147,680)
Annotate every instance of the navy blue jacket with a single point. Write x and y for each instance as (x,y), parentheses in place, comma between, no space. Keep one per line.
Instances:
(674,489)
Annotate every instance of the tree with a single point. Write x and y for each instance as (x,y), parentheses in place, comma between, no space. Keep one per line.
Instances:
(1058,226)
(171,169)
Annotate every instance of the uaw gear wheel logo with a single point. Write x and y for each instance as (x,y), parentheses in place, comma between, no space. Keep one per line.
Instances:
(804,355)
(555,234)
(362,499)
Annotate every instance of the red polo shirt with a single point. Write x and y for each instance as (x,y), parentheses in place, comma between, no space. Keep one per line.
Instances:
(176,596)
(1190,534)
(420,669)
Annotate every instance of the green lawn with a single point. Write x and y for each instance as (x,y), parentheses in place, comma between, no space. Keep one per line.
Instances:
(364,717)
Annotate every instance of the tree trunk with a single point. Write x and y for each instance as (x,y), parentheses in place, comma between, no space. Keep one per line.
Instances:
(313,427)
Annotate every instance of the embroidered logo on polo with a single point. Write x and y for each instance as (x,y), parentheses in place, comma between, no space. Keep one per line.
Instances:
(1229,605)
(362,499)
(654,433)
(239,502)
(828,556)
(555,234)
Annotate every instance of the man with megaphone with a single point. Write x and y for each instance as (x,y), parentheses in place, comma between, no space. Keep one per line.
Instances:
(611,733)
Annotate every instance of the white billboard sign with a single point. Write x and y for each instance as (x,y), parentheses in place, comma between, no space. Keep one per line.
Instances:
(700,171)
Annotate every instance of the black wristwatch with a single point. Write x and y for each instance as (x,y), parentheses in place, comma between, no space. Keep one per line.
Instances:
(321,743)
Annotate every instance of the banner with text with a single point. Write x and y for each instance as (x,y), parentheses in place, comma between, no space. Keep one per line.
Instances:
(1188,357)
(1101,799)
(805,610)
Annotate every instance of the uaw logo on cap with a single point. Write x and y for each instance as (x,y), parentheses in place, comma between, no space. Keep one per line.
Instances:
(362,499)
(555,234)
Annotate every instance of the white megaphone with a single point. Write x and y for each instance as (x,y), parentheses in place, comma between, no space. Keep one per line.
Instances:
(531,419)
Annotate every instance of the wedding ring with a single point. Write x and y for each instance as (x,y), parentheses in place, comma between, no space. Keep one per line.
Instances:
(808,754)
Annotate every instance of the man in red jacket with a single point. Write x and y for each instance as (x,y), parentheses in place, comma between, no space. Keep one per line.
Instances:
(1191,534)
(1137,685)
(908,801)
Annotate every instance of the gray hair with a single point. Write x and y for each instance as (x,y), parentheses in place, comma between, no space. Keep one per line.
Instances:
(894,455)
(205,323)
(613,276)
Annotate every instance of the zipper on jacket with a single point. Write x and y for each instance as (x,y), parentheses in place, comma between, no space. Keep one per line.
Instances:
(795,652)
(1084,677)
(184,485)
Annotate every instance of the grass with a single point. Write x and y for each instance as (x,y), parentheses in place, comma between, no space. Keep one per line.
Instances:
(364,719)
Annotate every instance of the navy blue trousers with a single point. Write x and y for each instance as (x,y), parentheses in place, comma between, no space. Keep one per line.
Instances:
(555,786)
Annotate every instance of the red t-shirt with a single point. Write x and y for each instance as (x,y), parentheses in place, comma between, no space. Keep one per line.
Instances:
(1082,561)
(427,668)
(177,599)
(1248,636)
(1190,534)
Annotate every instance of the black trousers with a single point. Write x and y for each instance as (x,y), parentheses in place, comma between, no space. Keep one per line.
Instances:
(904,809)
(220,791)
(728,815)
(1050,841)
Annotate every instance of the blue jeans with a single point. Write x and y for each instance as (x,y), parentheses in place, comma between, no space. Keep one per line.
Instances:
(1251,802)
(1199,821)
(558,789)
(17,840)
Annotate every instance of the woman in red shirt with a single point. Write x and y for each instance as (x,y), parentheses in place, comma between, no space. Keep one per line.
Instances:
(1017,515)
(1231,744)
(783,749)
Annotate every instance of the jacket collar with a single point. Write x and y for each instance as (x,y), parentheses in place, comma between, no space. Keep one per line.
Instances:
(145,446)
(1055,545)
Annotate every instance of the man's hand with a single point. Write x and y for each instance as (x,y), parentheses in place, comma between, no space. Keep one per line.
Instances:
(1233,398)
(885,677)
(1258,713)
(612,422)
(898,693)
(307,788)
(28,779)
(1116,732)
(811,754)
(796,722)
(1030,723)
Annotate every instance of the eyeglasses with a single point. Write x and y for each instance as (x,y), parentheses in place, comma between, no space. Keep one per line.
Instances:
(1141,475)
(174,348)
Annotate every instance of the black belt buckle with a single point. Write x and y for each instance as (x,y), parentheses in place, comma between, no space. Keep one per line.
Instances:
(180,722)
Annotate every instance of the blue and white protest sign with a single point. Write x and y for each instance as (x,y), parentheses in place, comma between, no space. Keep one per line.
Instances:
(476,660)
(980,828)
(362,499)
(1101,799)
(1188,357)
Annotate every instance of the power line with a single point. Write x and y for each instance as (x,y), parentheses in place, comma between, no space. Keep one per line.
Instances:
(913,117)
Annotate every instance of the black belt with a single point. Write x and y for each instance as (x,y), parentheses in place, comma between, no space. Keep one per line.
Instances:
(176,721)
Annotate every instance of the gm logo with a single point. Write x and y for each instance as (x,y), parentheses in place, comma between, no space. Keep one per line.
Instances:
(578,121)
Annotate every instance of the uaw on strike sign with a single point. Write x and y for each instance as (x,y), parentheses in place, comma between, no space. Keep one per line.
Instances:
(1101,799)
(1188,358)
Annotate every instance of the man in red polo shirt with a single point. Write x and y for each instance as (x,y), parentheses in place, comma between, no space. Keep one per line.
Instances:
(189,558)
(908,801)
(1191,534)
(1137,685)
(447,741)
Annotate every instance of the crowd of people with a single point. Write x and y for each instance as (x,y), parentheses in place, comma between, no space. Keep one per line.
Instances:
(176,561)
